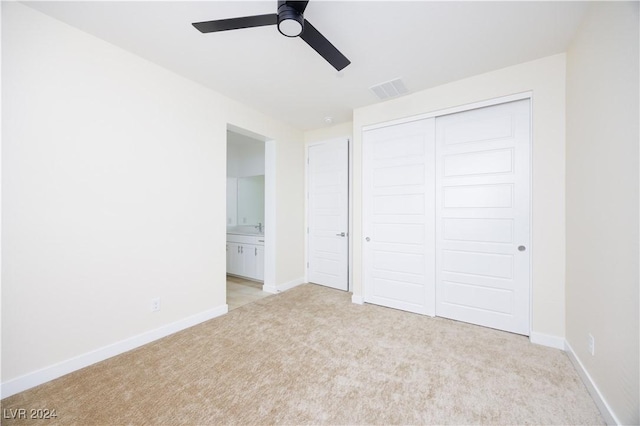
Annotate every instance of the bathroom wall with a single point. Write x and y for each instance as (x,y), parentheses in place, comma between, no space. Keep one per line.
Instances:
(245,156)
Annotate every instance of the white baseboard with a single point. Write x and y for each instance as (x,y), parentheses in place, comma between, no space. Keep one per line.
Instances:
(38,377)
(358,300)
(270,289)
(547,340)
(291,284)
(278,288)
(605,409)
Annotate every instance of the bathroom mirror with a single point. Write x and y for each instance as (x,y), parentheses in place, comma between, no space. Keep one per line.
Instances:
(248,209)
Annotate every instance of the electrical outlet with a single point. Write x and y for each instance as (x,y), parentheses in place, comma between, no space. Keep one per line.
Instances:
(592,344)
(155,304)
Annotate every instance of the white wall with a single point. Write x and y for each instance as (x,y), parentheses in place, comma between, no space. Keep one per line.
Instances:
(546,79)
(245,156)
(602,203)
(113,186)
(331,132)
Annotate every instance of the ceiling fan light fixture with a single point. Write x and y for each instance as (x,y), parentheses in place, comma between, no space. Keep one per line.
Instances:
(290,22)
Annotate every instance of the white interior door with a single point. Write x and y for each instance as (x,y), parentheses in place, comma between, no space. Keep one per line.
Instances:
(328,213)
(482,216)
(398,206)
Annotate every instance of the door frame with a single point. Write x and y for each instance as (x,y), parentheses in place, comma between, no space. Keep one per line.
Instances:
(462,108)
(270,207)
(349,207)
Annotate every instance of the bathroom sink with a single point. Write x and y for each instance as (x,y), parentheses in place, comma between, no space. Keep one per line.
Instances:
(244,230)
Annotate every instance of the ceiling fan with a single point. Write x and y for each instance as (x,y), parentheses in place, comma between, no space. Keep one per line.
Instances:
(291,23)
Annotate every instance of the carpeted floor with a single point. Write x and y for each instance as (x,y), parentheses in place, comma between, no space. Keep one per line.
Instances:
(310,356)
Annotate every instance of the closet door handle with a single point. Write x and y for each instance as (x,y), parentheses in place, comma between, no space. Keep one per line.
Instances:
(256,251)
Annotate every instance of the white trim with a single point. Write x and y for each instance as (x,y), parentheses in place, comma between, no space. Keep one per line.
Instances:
(606,411)
(270,210)
(452,110)
(291,284)
(531,221)
(358,300)
(38,377)
(351,210)
(547,340)
(1,257)
(270,288)
(278,288)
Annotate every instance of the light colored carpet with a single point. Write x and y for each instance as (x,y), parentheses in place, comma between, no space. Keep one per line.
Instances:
(310,356)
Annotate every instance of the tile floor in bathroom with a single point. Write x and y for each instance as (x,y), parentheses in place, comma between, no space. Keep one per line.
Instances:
(241,291)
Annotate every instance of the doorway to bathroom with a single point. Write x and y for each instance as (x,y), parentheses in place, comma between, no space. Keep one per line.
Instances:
(245,219)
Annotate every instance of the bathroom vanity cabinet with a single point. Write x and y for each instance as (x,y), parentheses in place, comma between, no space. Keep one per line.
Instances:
(245,256)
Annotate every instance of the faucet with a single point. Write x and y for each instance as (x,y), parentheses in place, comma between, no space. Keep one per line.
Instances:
(259,227)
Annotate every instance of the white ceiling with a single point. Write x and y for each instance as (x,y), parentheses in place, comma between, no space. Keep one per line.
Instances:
(425,43)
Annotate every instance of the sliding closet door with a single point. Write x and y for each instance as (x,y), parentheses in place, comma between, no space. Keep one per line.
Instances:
(482,216)
(398,206)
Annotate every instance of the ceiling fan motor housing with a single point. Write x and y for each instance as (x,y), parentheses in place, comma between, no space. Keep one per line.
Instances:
(290,20)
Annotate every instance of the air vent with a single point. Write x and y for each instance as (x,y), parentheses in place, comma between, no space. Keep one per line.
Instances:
(389,89)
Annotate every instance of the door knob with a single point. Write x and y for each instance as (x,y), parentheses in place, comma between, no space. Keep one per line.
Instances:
(340,234)
(521,248)
(368,239)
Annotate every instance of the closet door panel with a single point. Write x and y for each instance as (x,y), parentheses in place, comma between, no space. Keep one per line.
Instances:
(398,205)
(482,216)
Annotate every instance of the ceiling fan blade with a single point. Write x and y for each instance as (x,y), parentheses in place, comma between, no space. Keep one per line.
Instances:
(236,23)
(300,6)
(321,45)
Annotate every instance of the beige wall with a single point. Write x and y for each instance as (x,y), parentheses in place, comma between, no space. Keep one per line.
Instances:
(113,181)
(602,202)
(546,79)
